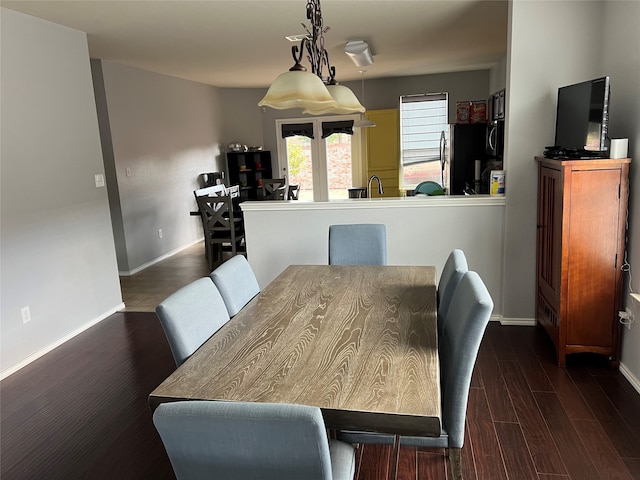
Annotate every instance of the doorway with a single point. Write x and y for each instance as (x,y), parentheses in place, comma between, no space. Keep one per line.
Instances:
(322,155)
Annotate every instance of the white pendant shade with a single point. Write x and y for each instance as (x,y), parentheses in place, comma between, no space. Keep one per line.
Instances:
(296,89)
(364,123)
(346,101)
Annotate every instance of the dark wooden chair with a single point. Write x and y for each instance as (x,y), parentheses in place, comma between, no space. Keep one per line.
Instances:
(274,189)
(294,191)
(223,228)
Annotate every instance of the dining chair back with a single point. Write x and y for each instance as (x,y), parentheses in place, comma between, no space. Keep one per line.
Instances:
(212,190)
(274,189)
(244,440)
(293,192)
(233,191)
(429,188)
(222,225)
(358,244)
(454,268)
(467,320)
(190,316)
(236,282)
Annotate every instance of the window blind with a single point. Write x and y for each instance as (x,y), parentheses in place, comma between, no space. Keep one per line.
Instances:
(293,129)
(422,119)
(329,128)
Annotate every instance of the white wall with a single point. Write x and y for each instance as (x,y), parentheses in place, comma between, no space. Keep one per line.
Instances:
(57,253)
(539,61)
(420,231)
(621,60)
(164,132)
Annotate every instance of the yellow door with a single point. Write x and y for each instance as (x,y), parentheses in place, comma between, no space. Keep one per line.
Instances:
(383,150)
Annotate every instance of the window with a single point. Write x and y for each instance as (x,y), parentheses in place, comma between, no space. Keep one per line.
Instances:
(423,123)
(320,155)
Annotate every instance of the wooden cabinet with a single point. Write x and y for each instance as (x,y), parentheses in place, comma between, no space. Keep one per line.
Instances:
(248,169)
(582,208)
(383,150)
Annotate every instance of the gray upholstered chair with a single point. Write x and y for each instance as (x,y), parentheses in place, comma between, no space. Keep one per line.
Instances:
(454,268)
(467,319)
(236,282)
(358,244)
(251,441)
(190,316)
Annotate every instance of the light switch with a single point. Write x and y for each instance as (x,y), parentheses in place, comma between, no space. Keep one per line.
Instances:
(99,180)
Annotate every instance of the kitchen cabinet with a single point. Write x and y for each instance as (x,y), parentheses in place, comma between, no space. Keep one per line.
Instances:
(249,169)
(582,209)
(383,150)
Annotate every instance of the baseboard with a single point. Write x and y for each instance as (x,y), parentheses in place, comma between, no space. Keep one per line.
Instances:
(128,273)
(13,369)
(633,380)
(520,322)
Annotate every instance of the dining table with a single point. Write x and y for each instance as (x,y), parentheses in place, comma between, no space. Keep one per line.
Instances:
(358,341)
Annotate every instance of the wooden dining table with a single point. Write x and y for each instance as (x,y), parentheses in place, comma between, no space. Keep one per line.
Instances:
(360,342)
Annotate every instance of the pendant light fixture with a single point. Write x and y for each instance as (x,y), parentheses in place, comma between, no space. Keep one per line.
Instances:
(298,88)
(363,122)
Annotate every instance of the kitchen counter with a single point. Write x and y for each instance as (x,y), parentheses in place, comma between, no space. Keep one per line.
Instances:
(421,230)
(378,202)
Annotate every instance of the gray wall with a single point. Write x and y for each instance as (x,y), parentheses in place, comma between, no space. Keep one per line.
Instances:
(385,93)
(164,132)
(621,60)
(58,254)
(538,62)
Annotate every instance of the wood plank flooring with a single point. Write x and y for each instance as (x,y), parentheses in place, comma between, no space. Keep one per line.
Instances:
(81,410)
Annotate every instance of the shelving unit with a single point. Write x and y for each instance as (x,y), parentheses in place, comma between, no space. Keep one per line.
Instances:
(248,169)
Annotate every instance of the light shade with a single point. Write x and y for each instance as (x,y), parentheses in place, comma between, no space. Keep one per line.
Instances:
(359,52)
(345,99)
(363,123)
(297,89)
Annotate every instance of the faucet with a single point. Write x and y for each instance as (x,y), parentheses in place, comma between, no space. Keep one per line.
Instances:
(380,190)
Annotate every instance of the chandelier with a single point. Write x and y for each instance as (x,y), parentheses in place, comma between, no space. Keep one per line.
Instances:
(299,88)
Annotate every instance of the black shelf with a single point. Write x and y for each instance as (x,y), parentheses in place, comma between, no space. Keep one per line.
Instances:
(250,178)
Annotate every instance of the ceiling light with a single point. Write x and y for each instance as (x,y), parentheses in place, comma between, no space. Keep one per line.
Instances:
(359,52)
(298,88)
(346,100)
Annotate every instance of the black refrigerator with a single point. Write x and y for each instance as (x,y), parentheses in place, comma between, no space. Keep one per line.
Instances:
(467,144)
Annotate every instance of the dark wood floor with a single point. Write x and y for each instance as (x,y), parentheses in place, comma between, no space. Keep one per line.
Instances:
(81,412)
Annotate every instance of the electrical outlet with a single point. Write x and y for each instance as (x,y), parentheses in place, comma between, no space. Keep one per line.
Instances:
(636,297)
(159,233)
(26,314)
(626,318)
(128,171)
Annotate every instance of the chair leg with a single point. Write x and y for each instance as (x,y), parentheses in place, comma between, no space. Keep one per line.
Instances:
(455,460)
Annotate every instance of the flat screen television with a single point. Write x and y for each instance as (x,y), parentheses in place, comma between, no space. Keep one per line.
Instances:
(582,118)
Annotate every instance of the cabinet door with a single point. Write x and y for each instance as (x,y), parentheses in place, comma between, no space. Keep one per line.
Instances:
(593,239)
(549,264)
(383,149)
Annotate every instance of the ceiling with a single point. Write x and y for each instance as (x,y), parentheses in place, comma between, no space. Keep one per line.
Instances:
(240,43)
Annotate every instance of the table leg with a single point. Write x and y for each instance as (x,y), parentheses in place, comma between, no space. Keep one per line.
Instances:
(395,455)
